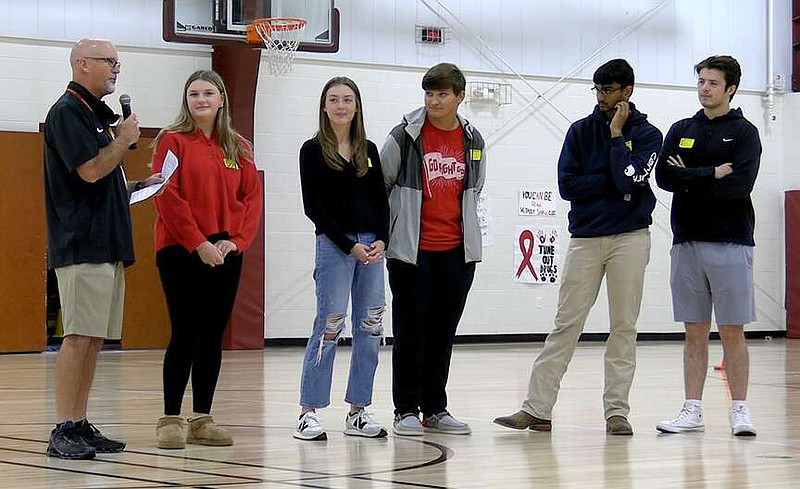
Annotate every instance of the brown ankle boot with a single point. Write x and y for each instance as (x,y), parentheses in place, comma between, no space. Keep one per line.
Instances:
(171,432)
(204,431)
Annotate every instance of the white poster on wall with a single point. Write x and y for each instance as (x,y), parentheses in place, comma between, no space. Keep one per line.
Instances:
(537,255)
(537,201)
(485,220)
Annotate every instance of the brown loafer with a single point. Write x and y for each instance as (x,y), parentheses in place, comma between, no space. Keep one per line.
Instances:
(618,425)
(524,421)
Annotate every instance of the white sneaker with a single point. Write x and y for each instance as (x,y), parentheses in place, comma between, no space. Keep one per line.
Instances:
(360,423)
(407,425)
(740,421)
(309,427)
(444,422)
(689,419)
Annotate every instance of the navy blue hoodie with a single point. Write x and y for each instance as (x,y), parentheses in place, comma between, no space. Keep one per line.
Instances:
(704,208)
(606,179)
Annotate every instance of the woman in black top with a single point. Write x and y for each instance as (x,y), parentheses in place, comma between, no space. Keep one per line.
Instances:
(344,196)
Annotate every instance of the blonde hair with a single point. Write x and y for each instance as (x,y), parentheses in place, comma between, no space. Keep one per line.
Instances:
(234,145)
(358,136)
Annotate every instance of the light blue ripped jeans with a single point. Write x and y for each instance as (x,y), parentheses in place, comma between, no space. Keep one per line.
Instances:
(338,276)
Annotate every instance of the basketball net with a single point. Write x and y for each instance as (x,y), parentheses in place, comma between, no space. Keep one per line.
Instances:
(281,36)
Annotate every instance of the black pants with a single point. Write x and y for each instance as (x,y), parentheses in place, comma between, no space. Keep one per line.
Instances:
(427,302)
(200,300)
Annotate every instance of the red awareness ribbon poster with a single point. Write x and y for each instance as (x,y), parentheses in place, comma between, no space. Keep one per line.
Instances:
(538,255)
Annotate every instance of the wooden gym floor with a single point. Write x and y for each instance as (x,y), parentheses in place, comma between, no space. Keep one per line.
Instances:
(257,400)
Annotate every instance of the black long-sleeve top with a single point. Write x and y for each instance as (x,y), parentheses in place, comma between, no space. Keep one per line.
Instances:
(339,202)
(705,208)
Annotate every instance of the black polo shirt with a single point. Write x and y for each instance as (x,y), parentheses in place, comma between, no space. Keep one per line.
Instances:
(86,222)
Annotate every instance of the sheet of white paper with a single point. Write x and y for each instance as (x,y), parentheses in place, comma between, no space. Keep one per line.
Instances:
(169,167)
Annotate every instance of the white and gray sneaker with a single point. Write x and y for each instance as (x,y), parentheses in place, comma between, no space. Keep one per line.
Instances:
(360,423)
(689,419)
(444,422)
(407,425)
(740,421)
(309,427)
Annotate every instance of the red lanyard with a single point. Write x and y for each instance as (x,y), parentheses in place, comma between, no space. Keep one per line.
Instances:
(80,97)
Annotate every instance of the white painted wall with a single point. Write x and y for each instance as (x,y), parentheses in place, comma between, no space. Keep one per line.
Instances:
(791,128)
(541,37)
(546,37)
(542,40)
(525,154)
(133,22)
(34,73)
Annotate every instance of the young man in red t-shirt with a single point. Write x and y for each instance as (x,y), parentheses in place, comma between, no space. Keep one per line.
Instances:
(434,169)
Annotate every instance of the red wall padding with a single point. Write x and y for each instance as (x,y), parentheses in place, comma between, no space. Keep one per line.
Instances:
(238,65)
(246,326)
(792,220)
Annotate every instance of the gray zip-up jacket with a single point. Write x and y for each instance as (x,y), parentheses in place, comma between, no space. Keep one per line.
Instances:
(401,160)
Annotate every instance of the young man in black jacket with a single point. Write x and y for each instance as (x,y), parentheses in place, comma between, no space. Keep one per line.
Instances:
(603,171)
(710,162)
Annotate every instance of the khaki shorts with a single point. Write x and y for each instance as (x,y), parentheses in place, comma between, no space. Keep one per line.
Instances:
(92,297)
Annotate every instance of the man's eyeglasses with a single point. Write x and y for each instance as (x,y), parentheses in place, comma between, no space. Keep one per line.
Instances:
(605,90)
(112,63)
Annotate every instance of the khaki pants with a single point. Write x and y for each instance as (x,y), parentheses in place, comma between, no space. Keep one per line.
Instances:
(622,258)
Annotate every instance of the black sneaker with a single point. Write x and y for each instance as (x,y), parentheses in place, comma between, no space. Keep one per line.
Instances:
(92,437)
(66,443)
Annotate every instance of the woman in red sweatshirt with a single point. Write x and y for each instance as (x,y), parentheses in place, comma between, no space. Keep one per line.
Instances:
(206,217)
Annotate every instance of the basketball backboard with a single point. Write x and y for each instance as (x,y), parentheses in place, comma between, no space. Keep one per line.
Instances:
(225,21)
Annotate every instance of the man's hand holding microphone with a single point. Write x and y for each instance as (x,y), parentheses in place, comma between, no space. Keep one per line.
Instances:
(128,132)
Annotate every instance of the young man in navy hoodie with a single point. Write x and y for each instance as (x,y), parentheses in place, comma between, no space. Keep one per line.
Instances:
(710,162)
(603,172)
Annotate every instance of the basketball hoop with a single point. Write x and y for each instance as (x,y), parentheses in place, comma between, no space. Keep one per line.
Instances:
(281,36)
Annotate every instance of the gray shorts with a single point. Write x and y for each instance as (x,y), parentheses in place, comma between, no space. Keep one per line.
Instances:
(720,274)
(92,297)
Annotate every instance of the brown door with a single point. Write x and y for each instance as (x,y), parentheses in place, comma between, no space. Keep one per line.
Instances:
(146,323)
(23,245)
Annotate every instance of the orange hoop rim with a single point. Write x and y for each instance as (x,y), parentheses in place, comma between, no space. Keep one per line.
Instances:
(280,23)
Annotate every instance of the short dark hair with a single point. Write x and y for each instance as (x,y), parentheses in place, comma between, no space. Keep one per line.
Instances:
(617,70)
(443,76)
(727,65)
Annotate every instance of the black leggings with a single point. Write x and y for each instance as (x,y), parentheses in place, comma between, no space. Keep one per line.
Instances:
(200,300)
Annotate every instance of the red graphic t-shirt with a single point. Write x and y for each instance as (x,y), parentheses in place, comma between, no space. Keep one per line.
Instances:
(443,168)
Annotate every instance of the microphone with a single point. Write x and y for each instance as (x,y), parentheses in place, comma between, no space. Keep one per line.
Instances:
(125,102)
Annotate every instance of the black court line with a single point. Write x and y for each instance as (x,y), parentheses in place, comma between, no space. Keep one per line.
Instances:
(445,453)
(245,479)
(157,482)
(85,472)
(174,454)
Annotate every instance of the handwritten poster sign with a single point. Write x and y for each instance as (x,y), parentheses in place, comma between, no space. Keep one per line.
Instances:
(485,220)
(537,255)
(537,202)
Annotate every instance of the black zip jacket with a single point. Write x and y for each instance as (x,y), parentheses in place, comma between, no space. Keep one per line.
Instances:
(705,208)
